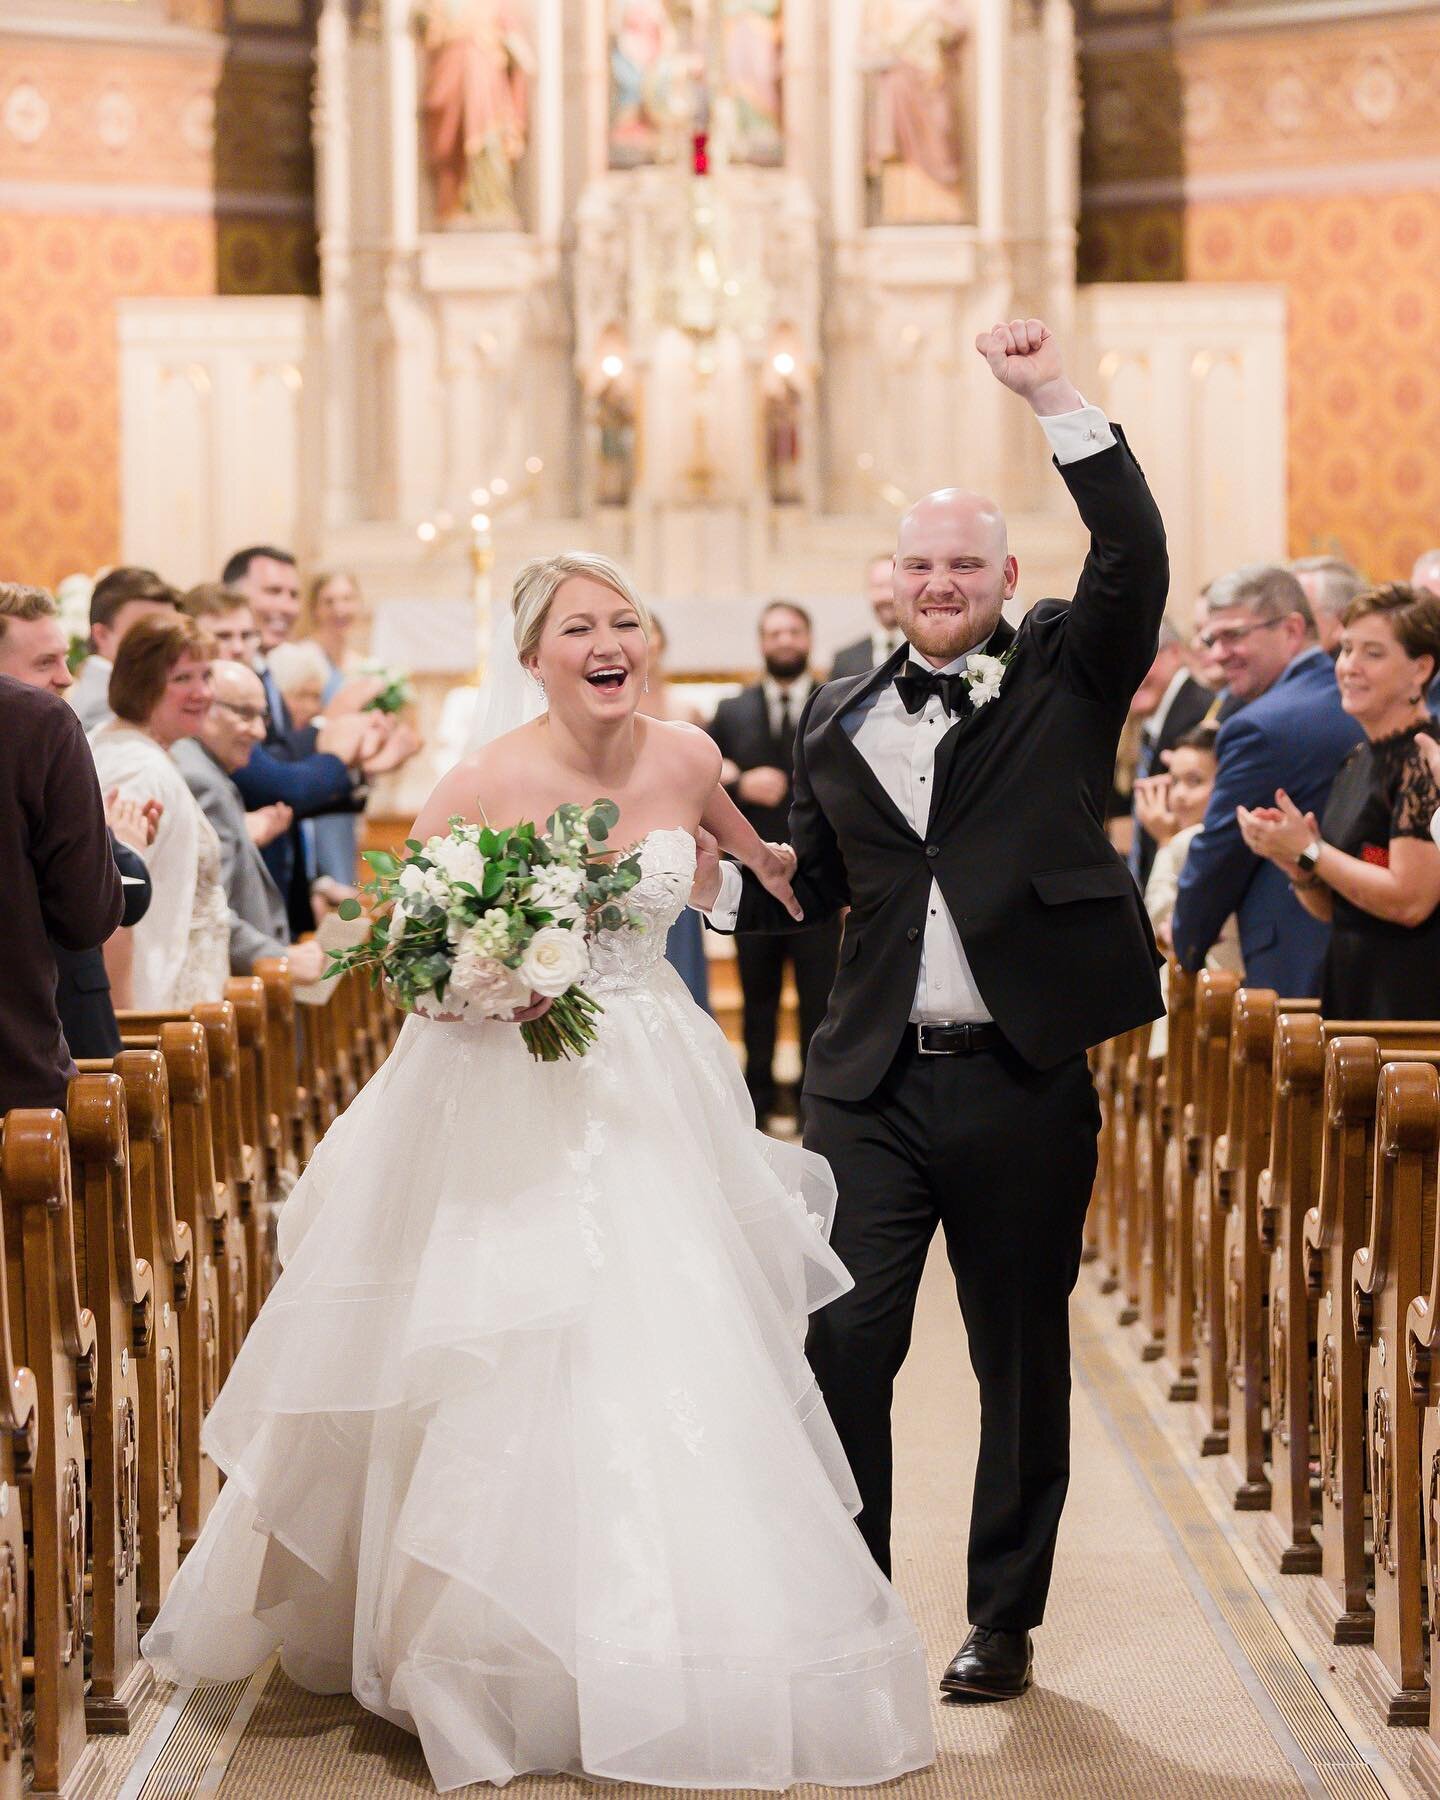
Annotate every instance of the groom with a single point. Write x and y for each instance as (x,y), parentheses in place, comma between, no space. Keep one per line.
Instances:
(993,934)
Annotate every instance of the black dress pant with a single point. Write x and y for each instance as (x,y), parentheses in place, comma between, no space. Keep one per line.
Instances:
(1003,1158)
(761,958)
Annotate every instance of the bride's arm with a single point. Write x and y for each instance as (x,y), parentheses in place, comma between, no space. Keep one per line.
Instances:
(771,864)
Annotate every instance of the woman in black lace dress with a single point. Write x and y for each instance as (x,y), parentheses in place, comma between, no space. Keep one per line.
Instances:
(1370,865)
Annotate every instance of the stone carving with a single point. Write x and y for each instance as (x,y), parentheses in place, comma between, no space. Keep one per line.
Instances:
(479,61)
(910,54)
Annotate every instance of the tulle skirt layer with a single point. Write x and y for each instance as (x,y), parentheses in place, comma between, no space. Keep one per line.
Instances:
(523,1448)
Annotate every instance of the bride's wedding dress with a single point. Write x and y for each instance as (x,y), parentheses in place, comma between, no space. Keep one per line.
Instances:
(523,1449)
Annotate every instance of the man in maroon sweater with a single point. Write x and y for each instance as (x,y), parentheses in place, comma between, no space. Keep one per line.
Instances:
(62,883)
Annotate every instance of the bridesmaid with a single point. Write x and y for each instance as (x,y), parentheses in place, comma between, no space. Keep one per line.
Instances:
(685,945)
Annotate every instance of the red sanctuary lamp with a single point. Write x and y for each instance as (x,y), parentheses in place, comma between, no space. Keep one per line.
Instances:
(700,153)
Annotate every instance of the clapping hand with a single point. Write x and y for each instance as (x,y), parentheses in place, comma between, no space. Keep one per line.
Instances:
(132,821)
(1279,832)
(1152,808)
(267,823)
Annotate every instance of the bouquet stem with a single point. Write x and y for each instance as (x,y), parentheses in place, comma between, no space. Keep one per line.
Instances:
(567,1029)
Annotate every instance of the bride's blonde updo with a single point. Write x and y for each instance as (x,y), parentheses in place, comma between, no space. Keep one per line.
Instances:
(538,581)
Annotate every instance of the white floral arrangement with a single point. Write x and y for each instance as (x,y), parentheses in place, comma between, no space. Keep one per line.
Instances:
(73,596)
(395,695)
(983,675)
(478,920)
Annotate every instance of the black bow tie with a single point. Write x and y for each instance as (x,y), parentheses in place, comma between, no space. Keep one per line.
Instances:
(916,686)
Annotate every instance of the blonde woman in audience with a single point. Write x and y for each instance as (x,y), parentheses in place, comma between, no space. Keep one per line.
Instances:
(179,952)
(1171,807)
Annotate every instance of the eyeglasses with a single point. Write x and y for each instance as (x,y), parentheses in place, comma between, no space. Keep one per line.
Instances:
(1230,635)
(252,715)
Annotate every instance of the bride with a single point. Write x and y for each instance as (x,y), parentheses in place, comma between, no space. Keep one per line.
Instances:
(522,1449)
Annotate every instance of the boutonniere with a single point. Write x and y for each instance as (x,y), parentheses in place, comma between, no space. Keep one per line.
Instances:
(983,675)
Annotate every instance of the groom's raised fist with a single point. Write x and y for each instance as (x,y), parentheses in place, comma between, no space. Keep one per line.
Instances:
(1024,357)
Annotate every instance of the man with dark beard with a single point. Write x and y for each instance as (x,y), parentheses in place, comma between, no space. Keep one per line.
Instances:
(756,735)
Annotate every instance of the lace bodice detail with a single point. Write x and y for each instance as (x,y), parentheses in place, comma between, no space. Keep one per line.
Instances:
(623,959)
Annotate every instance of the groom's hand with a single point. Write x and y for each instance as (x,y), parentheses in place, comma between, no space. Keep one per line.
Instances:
(1024,357)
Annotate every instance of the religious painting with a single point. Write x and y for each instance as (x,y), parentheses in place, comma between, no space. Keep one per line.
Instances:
(751,83)
(651,71)
(479,61)
(912,59)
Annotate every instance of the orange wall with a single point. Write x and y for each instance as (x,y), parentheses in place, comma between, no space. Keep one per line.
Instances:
(119,154)
(1297,156)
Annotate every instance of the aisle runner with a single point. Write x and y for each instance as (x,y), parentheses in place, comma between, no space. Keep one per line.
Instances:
(1141,1689)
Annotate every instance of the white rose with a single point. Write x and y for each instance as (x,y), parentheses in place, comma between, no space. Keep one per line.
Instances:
(554,961)
(487,986)
(460,861)
(396,929)
(412,879)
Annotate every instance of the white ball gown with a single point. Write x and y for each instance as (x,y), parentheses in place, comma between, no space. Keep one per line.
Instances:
(523,1449)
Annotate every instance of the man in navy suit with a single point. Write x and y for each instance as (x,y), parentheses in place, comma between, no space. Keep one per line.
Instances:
(1290,732)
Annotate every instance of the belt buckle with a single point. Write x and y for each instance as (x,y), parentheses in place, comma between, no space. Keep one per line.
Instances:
(925,1025)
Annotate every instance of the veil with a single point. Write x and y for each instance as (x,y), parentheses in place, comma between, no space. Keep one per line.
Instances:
(507,697)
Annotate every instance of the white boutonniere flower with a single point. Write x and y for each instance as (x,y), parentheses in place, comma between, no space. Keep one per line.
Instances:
(983,675)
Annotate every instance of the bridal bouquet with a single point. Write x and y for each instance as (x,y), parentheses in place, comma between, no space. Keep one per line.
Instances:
(397,692)
(489,917)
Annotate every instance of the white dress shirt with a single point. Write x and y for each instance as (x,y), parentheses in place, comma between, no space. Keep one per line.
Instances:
(797,692)
(900,747)
(1155,724)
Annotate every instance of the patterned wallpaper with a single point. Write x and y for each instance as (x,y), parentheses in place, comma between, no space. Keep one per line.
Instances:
(1309,156)
(155,168)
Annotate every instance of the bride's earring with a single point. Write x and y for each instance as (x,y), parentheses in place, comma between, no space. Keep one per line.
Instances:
(539,682)
(646,688)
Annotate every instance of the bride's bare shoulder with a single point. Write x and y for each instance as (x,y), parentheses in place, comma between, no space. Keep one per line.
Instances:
(685,747)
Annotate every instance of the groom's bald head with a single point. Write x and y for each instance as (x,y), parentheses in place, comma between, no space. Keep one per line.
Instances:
(953,572)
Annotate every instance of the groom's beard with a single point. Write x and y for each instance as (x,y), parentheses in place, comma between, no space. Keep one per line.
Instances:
(941,638)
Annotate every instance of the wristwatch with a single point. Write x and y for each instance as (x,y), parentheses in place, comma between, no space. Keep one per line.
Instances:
(1310,856)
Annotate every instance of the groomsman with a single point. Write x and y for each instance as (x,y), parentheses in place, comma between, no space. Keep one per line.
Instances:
(952,801)
(884,640)
(756,734)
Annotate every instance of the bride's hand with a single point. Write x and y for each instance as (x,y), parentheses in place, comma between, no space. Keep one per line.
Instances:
(773,871)
(538,1007)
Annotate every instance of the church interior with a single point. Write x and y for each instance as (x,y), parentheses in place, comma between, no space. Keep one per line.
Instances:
(410,292)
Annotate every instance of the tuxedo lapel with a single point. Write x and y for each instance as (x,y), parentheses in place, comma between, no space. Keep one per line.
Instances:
(948,749)
(839,740)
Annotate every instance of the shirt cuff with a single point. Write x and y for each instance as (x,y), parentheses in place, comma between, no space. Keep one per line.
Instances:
(1075,435)
(723,914)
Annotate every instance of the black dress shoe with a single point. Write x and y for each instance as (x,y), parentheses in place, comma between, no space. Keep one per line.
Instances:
(990,1665)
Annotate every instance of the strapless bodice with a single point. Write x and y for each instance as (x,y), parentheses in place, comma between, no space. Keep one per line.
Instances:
(624,959)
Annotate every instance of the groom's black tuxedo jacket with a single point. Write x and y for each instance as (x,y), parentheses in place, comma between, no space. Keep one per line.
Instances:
(1049,915)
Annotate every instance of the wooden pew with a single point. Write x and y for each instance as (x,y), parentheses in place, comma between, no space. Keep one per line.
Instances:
(1094,1213)
(118,1289)
(1388,1271)
(1333,1230)
(1286,1192)
(1214,1003)
(259,1131)
(291,1098)
(1422,1361)
(166,1242)
(1246,1152)
(231,1161)
(56,1335)
(1130,1095)
(1177,1182)
(19,1442)
(1149,1157)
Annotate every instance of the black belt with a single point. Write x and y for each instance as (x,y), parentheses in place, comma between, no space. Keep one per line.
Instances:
(957,1040)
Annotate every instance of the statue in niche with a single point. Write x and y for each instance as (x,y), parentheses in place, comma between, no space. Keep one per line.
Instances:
(752,36)
(910,53)
(479,61)
(650,71)
(783,404)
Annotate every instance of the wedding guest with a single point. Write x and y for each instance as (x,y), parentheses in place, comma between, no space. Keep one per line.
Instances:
(160,692)
(230,730)
(333,613)
(302,675)
(1330,584)
(756,734)
(33,650)
(61,883)
(685,941)
(1168,703)
(119,600)
(1369,867)
(884,638)
(1426,577)
(1290,732)
(1175,801)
